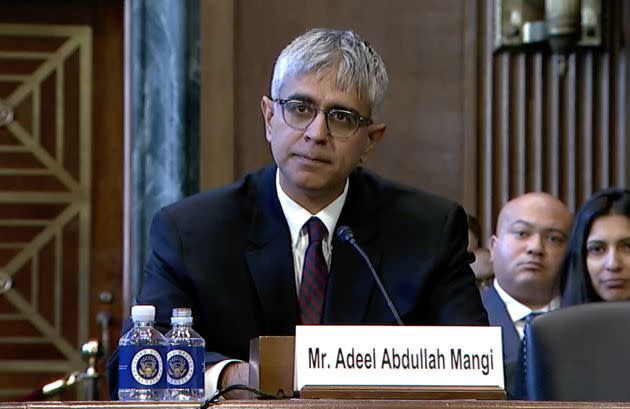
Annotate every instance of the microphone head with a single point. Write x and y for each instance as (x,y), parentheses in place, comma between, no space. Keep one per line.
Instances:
(345,234)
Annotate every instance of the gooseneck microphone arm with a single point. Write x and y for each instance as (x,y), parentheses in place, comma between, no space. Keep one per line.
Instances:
(346,235)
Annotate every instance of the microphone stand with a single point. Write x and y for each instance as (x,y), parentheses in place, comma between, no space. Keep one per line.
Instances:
(346,235)
(91,350)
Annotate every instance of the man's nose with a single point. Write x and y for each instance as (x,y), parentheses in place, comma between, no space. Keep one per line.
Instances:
(318,129)
(535,244)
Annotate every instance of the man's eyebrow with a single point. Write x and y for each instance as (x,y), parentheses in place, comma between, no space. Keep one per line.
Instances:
(344,108)
(533,226)
(556,231)
(300,97)
(306,98)
(521,221)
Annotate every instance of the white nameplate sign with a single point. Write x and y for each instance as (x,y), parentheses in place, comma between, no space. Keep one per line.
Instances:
(398,356)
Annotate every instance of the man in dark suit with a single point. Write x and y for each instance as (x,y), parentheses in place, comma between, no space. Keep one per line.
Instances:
(526,253)
(240,256)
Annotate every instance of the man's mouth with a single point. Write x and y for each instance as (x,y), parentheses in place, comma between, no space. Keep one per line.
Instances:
(314,159)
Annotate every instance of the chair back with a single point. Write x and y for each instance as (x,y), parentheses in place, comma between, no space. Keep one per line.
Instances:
(579,353)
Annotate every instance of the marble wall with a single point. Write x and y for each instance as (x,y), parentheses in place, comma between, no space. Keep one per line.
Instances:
(164,40)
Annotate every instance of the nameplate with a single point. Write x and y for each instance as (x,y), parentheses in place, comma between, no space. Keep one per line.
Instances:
(398,355)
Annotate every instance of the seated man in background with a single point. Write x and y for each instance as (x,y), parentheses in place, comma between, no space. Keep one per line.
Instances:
(482,267)
(261,256)
(526,252)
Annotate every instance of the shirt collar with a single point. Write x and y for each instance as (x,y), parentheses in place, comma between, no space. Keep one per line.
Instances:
(296,215)
(519,311)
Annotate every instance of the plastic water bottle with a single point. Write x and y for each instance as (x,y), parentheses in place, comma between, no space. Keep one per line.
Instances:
(142,351)
(184,359)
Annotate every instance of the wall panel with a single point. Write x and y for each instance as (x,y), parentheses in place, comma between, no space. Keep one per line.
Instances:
(68,274)
(549,128)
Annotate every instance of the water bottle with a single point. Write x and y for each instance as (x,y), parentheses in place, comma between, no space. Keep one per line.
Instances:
(142,351)
(184,359)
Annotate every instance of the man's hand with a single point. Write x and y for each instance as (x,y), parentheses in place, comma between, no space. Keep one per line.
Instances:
(235,373)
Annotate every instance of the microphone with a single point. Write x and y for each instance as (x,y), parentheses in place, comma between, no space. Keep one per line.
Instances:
(347,236)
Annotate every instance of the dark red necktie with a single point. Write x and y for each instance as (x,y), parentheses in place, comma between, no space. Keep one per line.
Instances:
(314,274)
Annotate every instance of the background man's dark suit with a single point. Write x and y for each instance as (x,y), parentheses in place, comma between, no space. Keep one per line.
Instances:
(227,255)
(499,316)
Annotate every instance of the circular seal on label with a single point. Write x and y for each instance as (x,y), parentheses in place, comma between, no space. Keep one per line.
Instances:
(181,367)
(146,367)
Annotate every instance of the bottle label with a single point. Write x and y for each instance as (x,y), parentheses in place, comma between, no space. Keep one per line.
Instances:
(141,367)
(185,367)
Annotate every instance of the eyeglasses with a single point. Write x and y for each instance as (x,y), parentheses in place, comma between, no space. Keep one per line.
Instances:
(341,123)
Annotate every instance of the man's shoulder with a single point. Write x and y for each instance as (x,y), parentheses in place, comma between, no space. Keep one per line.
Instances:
(490,294)
(394,193)
(495,306)
(490,297)
(221,201)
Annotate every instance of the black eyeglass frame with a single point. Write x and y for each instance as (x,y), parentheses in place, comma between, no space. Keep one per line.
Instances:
(363,121)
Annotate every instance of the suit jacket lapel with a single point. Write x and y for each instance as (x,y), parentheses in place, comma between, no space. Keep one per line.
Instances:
(498,315)
(270,259)
(350,283)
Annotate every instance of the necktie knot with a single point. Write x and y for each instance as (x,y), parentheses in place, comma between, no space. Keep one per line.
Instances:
(316,230)
(530,317)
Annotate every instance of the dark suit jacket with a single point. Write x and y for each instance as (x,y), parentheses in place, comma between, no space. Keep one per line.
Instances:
(498,315)
(227,255)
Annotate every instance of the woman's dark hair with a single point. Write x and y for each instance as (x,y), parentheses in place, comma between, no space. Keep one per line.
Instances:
(577,287)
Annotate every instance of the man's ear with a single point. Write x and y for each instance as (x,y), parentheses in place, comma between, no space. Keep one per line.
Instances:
(267,108)
(491,245)
(375,134)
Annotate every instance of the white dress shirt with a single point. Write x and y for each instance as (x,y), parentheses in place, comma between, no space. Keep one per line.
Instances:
(296,217)
(519,311)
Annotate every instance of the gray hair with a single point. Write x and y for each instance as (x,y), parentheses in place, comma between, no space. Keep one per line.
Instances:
(358,65)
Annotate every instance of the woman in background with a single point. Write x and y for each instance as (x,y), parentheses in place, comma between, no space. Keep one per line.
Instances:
(597,264)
